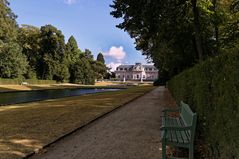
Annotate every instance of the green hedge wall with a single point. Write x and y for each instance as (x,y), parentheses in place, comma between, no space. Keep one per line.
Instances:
(212,90)
(29,81)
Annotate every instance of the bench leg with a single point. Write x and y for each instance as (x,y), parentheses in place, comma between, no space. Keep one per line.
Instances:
(191,152)
(163,149)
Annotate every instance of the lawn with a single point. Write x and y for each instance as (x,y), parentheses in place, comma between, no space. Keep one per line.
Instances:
(27,127)
(10,88)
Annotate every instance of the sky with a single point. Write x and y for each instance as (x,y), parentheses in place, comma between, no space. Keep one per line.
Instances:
(89,21)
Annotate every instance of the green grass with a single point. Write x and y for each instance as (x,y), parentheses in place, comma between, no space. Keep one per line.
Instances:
(27,127)
(30,81)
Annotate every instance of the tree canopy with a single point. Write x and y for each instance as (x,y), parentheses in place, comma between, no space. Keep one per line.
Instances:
(31,52)
(177,34)
(100,58)
(8,25)
(13,64)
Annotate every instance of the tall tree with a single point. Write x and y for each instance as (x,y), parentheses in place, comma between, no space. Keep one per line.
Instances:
(12,62)
(73,54)
(83,72)
(100,58)
(72,50)
(197,26)
(8,24)
(159,26)
(88,55)
(53,57)
(29,39)
(100,69)
(178,34)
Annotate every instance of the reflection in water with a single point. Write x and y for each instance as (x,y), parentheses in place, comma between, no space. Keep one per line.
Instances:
(30,96)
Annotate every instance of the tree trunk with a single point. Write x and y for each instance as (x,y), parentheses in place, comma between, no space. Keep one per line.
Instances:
(216,33)
(198,40)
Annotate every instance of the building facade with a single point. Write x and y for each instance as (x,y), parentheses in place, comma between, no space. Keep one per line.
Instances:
(137,72)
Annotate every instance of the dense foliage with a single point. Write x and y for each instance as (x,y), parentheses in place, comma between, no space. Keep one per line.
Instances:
(100,58)
(12,62)
(176,34)
(29,52)
(212,89)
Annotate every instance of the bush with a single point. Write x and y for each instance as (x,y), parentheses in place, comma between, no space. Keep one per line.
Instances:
(212,90)
(159,82)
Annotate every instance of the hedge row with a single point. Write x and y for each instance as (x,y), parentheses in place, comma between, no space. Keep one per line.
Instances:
(29,81)
(212,90)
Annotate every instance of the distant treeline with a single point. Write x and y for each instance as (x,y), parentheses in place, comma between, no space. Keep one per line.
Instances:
(29,52)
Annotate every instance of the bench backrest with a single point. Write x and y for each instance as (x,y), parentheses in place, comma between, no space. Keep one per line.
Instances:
(189,118)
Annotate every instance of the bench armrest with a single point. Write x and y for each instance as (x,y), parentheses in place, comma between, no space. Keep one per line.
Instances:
(175,128)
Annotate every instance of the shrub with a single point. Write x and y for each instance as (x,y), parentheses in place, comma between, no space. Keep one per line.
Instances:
(157,82)
(212,90)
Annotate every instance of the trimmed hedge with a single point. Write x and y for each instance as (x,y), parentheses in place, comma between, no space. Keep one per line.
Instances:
(212,90)
(29,81)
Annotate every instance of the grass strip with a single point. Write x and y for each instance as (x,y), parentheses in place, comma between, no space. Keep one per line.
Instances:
(28,127)
(23,88)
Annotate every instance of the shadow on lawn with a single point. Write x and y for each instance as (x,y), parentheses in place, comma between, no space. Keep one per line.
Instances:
(18,148)
(3,89)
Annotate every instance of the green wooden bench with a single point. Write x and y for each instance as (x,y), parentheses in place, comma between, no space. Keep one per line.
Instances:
(178,131)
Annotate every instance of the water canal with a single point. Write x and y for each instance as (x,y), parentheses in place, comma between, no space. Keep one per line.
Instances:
(8,98)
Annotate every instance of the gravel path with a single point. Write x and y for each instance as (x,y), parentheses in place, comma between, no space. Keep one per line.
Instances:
(130,132)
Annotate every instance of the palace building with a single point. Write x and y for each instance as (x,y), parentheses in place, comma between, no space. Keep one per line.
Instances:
(137,72)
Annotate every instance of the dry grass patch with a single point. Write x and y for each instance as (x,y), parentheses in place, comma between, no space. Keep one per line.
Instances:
(9,88)
(27,127)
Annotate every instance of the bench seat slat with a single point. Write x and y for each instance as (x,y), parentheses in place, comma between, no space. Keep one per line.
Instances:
(179,130)
(175,136)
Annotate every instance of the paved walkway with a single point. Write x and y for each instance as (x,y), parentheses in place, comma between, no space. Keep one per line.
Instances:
(130,132)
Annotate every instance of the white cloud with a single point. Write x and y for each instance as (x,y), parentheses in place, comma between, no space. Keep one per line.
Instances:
(69,2)
(117,53)
(113,66)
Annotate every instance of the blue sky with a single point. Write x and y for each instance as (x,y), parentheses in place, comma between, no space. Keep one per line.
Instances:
(89,21)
